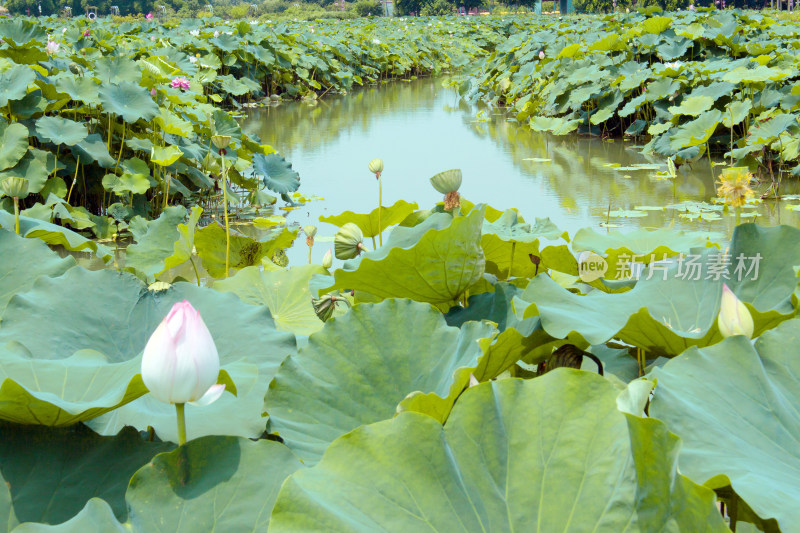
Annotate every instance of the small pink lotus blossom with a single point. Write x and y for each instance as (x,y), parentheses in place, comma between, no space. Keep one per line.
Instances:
(86,32)
(153,91)
(148,16)
(52,47)
(179,83)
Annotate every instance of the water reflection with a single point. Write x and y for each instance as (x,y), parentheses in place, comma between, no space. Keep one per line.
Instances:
(419,129)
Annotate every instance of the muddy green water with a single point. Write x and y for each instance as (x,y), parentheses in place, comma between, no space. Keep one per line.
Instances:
(419,128)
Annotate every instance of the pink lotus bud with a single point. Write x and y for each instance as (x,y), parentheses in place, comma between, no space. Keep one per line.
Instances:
(153,91)
(148,16)
(734,317)
(180,362)
(86,32)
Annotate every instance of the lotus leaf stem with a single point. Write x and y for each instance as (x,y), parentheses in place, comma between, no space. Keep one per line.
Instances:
(224,176)
(642,360)
(181,424)
(16,214)
(75,178)
(380,232)
(196,273)
(511,261)
(121,146)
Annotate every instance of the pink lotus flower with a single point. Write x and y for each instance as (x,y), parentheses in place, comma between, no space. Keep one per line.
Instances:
(148,16)
(52,47)
(86,32)
(179,83)
(180,362)
(153,91)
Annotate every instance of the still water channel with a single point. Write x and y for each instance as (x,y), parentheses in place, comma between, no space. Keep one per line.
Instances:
(420,128)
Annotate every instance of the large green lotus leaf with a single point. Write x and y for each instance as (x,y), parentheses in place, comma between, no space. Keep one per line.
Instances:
(249,346)
(78,88)
(34,167)
(117,69)
(60,130)
(244,252)
(93,149)
(95,517)
(734,405)
(210,484)
(20,32)
(14,83)
(673,309)
(525,341)
(53,472)
(368,223)
(183,248)
(128,100)
(284,292)
(24,260)
(510,236)
(374,356)
(693,105)
(62,392)
(498,464)
(53,234)
(126,184)
(696,132)
(13,144)
(155,240)
(165,155)
(277,173)
(759,74)
(437,268)
(768,131)
(645,244)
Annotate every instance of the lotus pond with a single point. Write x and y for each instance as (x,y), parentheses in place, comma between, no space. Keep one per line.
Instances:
(486,352)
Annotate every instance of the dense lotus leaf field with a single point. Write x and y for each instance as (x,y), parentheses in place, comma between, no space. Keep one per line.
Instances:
(456,367)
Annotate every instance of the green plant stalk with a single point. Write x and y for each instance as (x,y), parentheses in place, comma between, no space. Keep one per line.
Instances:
(121,146)
(710,162)
(16,214)
(181,424)
(74,178)
(196,273)
(109,132)
(642,360)
(738,211)
(511,261)
(224,175)
(380,232)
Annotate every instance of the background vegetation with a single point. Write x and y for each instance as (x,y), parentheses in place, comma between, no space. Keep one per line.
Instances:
(309,10)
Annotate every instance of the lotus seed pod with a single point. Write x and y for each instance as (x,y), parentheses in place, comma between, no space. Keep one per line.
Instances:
(15,187)
(325,305)
(376,166)
(221,141)
(447,181)
(347,242)
(327,261)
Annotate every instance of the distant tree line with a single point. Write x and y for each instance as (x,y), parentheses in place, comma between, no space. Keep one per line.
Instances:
(189,8)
